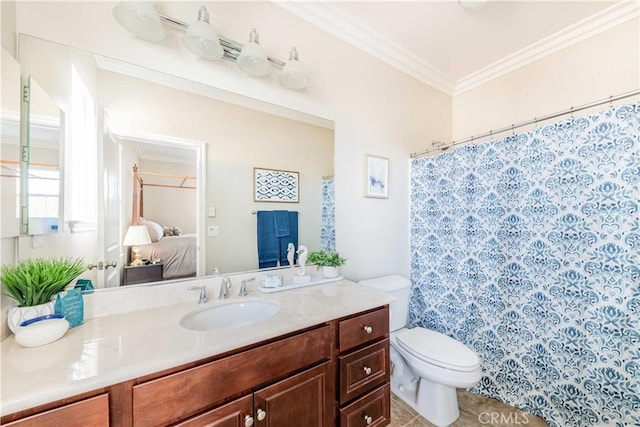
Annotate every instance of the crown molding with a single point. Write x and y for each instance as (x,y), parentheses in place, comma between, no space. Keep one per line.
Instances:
(588,27)
(353,31)
(343,26)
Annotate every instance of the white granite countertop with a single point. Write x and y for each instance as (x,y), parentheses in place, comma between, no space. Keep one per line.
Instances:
(111,349)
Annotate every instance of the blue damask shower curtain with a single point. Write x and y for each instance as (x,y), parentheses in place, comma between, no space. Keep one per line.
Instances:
(528,251)
(328,230)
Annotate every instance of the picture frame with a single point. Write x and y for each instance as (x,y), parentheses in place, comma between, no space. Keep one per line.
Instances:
(376,176)
(273,185)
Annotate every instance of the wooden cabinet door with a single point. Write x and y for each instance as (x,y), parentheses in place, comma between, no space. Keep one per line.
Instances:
(235,414)
(301,400)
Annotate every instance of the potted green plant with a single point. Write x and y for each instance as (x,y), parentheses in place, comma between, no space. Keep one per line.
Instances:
(330,261)
(33,283)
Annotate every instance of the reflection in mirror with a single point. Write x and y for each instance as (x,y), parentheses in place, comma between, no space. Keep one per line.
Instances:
(43,141)
(147,110)
(10,146)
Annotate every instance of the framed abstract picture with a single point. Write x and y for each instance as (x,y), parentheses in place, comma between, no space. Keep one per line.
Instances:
(271,185)
(376,176)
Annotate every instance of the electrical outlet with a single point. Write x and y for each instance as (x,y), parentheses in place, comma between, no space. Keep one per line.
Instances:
(37,242)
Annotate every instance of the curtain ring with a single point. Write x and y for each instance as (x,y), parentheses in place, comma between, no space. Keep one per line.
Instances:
(571,112)
(513,132)
(611,101)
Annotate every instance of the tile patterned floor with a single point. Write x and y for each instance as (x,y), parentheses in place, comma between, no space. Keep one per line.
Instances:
(475,411)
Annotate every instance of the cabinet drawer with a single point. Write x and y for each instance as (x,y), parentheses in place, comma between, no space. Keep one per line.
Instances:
(364,370)
(233,414)
(89,412)
(372,410)
(177,396)
(364,328)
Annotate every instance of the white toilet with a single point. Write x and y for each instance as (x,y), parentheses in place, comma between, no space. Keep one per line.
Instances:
(427,366)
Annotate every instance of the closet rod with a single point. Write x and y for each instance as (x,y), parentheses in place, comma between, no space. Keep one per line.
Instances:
(535,120)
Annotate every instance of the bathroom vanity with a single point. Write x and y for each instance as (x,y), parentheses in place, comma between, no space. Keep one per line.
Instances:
(322,360)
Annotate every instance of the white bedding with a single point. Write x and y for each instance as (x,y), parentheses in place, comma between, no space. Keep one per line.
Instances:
(178,253)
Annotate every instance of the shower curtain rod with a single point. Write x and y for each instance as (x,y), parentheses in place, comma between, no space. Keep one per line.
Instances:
(535,120)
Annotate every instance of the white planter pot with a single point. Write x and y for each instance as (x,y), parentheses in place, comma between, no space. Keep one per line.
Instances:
(17,315)
(330,272)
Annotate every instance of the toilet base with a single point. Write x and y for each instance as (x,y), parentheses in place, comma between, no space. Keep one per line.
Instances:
(437,403)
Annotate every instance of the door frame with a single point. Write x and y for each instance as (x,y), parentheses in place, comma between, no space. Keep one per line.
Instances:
(200,149)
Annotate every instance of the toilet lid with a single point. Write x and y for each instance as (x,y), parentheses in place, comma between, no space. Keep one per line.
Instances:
(439,349)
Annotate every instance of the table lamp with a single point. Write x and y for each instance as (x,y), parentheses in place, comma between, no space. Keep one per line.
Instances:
(137,235)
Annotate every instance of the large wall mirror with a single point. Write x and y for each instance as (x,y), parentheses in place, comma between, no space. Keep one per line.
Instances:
(176,156)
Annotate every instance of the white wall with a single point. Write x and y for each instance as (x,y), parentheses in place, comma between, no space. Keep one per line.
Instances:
(376,109)
(603,65)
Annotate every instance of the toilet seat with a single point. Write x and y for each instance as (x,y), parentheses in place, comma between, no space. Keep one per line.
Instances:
(438,349)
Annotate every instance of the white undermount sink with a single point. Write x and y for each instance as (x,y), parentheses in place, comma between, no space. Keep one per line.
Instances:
(229,316)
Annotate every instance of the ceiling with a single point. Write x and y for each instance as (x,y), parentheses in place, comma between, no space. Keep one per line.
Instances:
(457,45)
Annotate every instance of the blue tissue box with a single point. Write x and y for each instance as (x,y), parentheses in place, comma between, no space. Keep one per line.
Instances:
(71,305)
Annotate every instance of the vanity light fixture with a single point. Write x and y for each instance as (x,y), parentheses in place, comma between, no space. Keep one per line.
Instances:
(293,74)
(137,235)
(252,59)
(200,38)
(142,20)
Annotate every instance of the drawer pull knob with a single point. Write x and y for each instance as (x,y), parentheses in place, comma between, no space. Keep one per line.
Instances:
(248,421)
(367,329)
(367,370)
(261,415)
(368,419)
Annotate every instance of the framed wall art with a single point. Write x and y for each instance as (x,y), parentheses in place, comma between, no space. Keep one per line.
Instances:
(376,176)
(271,185)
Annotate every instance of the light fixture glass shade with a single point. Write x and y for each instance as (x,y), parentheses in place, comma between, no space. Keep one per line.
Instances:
(140,18)
(252,59)
(293,74)
(200,38)
(136,235)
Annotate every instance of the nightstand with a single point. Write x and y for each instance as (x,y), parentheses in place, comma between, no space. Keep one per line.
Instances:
(142,274)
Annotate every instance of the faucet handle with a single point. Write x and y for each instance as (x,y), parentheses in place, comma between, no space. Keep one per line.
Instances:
(203,293)
(243,287)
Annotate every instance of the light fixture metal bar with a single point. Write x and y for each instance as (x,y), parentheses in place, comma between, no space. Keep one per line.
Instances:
(231,47)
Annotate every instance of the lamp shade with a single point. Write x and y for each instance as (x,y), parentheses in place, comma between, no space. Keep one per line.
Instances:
(293,74)
(200,38)
(140,18)
(252,59)
(137,235)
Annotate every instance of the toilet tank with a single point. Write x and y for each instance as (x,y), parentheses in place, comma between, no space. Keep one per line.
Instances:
(399,287)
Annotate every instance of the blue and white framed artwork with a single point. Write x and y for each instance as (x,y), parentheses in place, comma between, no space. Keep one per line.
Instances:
(376,176)
(271,185)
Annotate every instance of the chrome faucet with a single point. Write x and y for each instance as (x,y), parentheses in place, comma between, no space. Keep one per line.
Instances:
(203,293)
(224,288)
(243,287)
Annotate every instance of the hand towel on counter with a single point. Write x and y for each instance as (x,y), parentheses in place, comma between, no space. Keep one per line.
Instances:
(268,243)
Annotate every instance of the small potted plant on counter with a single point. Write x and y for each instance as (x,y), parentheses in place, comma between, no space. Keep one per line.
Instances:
(33,283)
(330,261)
